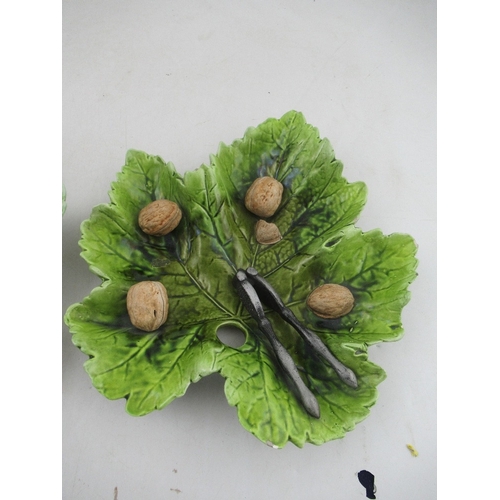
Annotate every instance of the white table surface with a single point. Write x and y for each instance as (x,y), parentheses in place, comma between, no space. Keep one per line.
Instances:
(176,78)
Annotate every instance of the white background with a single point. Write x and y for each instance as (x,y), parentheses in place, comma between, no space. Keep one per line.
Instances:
(176,78)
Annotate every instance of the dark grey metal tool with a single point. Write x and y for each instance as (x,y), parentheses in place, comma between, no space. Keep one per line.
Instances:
(252,303)
(254,290)
(271,299)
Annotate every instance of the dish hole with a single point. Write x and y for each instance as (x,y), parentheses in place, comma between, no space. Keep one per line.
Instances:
(231,336)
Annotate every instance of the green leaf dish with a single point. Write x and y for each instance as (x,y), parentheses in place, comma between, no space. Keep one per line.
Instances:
(64,203)
(197,261)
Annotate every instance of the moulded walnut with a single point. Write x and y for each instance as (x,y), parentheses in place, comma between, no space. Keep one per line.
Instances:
(263,197)
(331,301)
(147,305)
(160,217)
(267,233)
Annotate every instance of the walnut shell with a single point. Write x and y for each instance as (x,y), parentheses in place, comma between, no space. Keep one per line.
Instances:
(263,197)
(160,217)
(267,233)
(331,301)
(147,305)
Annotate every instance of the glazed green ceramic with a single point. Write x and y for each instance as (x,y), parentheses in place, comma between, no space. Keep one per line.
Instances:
(197,261)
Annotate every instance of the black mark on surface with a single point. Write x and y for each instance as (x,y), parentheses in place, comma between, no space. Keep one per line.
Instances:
(367,479)
(330,243)
(115,496)
(177,490)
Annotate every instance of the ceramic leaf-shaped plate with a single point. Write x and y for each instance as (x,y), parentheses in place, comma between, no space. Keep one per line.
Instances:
(197,262)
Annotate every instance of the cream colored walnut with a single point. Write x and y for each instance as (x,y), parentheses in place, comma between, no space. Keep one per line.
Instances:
(267,233)
(147,305)
(160,217)
(263,197)
(331,301)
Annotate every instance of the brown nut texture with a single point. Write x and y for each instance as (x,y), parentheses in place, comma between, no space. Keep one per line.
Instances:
(147,305)
(160,217)
(263,197)
(267,233)
(331,301)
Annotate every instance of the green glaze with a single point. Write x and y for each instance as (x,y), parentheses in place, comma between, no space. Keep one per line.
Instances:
(197,261)
(64,204)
